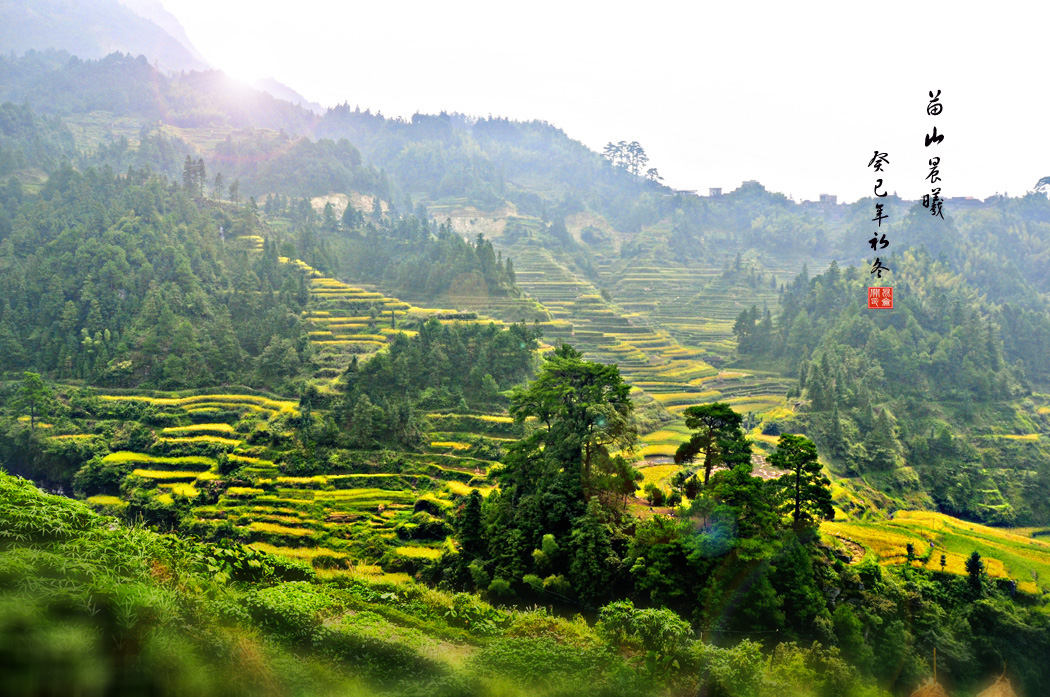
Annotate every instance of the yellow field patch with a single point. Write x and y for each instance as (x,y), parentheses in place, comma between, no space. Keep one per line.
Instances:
(206,407)
(237,399)
(199,428)
(450,444)
(165,474)
(243,491)
(463,490)
(484,417)
(306,553)
(658,450)
(218,440)
(180,488)
(39,424)
(279,529)
(1005,553)
(316,479)
(656,474)
(128,456)
(665,436)
(370,576)
(418,552)
(685,397)
(106,501)
(888,544)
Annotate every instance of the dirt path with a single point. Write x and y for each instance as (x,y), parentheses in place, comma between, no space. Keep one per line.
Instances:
(856,552)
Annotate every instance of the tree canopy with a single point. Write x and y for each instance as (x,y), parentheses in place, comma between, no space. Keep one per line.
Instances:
(719,437)
(807,490)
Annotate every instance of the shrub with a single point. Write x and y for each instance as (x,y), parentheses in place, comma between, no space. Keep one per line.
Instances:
(542,661)
(469,612)
(538,623)
(429,504)
(654,495)
(500,589)
(100,477)
(557,584)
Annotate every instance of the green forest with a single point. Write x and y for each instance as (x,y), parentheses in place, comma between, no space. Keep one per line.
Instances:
(311,404)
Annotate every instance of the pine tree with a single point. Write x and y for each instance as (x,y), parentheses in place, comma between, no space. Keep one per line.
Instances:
(470,530)
(34,397)
(12,355)
(881,444)
(362,427)
(200,176)
(718,436)
(807,490)
(975,570)
(188,174)
(591,548)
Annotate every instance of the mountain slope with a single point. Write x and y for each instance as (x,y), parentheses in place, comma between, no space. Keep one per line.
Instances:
(155,12)
(90,30)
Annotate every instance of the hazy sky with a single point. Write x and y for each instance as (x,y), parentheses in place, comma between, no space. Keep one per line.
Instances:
(796,95)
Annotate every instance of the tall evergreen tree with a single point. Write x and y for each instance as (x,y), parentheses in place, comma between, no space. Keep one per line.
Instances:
(591,553)
(807,490)
(719,437)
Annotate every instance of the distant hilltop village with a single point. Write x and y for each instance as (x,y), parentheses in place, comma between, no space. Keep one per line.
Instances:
(831,210)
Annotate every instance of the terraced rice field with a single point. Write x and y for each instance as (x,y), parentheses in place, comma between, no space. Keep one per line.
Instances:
(221,429)
(231,402)
(665,354)
(1006,554)
(343,320)
(668,327)
(648,356)
(193,463)
(309,517)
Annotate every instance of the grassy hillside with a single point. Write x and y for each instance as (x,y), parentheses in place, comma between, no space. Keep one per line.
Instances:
(92,607)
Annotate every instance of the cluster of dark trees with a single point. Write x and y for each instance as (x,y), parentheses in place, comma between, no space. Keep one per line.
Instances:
(940,341)
(558,527)
(31,141)
(266,162)
(631,157)
(464,367)
(749,217)
(124,280)
(881,389)
(407,254)
(160,152)
(741,558)
(422,261)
